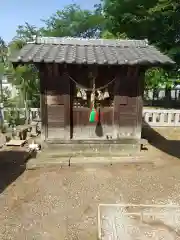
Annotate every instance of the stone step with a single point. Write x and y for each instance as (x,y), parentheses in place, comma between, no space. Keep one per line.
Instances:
(60,154)
(41,162)
(87,154)
(56,150)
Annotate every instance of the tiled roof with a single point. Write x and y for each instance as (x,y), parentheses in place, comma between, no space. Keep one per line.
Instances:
(90,51)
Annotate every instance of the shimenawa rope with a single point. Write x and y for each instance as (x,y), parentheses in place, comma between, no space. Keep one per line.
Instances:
(91,89)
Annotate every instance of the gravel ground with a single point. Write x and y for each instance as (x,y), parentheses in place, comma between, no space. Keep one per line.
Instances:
(61,203)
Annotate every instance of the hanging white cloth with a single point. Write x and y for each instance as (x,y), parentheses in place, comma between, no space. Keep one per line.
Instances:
(84,95)
(100,95)
(79,95)
(106,93)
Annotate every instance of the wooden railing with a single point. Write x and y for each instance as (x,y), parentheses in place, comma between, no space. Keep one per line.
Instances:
(161,117)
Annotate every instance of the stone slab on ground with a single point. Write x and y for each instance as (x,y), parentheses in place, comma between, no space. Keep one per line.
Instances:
(16,142)
(127,221)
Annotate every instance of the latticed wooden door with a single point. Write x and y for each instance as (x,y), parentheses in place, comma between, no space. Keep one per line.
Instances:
(82,128)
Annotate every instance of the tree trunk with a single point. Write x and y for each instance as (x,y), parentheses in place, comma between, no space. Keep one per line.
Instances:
(168,97)
(26,107)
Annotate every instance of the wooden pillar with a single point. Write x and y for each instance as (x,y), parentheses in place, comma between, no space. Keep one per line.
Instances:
(43,110)
(120,102)
(58,104)
(141,78)
(65,84)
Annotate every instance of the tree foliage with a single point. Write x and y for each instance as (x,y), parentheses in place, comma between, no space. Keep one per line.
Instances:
(25,77)
(3,56)
(72,21)
(155,20)
(25,33)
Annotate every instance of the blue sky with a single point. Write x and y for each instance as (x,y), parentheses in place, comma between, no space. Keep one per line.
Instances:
(17,12)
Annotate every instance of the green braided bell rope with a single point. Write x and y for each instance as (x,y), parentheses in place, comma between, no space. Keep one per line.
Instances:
(92,115)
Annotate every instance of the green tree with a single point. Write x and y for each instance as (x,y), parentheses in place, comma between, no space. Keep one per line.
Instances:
(108,35)
(73,21)
(3,60)
(25,77)
(156,20)
(25,33)
(3,56)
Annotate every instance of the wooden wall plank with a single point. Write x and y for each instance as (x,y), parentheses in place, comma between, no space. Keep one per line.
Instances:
(126,112)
